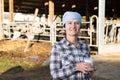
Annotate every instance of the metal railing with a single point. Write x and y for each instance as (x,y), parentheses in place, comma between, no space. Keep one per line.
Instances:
(22,30)
(43,32)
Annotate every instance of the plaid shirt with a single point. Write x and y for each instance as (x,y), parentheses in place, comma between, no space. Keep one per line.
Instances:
(63,59)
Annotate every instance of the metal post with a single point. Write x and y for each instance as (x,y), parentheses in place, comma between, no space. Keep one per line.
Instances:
(101,26)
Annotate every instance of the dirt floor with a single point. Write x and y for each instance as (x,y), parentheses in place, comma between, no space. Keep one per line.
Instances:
(108,65)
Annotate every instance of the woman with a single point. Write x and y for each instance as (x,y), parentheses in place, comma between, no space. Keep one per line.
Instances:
(67,56)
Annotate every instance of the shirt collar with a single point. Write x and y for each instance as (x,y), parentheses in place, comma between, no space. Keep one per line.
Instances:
(65,41)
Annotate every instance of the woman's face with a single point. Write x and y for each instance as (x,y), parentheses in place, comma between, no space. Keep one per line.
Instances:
(72,27)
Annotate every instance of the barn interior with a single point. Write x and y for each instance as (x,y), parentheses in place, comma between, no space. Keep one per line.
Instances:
(86,8)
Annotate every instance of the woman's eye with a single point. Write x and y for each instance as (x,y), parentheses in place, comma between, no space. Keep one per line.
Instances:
(69,22)
(77,23)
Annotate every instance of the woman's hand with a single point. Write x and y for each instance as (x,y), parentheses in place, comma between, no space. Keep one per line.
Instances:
(84,67)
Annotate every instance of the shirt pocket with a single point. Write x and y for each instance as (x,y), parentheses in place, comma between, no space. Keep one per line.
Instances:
(68,58)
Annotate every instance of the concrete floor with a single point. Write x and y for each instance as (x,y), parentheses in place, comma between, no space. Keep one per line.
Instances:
(112,48)
(108,66)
